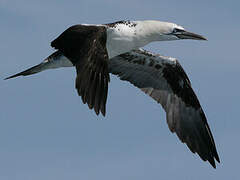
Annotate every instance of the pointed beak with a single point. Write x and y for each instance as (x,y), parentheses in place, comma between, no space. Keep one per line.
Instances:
(189,35)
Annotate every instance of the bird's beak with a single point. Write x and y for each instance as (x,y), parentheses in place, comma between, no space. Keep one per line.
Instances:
(189,35)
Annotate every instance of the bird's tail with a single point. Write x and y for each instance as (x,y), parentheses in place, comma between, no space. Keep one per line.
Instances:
(55,60)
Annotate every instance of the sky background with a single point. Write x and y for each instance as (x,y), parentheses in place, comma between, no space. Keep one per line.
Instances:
(47,133)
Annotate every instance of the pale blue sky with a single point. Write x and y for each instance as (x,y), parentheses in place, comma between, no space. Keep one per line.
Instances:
(47,133)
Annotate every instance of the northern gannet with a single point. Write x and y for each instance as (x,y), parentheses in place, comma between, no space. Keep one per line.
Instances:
(97,50)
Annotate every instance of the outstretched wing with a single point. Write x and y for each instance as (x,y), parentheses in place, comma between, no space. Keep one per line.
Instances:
(85,47)
(165,81)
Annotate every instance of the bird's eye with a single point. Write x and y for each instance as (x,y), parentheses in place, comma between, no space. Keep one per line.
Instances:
(176,30)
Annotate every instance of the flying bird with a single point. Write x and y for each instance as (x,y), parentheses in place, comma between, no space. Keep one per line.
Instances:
(97,50)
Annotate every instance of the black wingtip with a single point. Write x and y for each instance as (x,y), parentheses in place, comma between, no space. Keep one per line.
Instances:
(212,162)
(217,157)
(103,113)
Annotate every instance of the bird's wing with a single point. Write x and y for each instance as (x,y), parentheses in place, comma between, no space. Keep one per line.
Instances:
(165,81)
(85,47)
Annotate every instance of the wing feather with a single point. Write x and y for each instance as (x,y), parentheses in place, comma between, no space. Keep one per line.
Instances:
(85,47)
(163,79)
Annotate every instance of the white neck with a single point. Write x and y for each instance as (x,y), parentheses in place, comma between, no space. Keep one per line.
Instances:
(124,38)
(156,30)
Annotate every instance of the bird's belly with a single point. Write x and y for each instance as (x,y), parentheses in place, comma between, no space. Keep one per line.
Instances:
(119,46)
(57,62)
(121,41)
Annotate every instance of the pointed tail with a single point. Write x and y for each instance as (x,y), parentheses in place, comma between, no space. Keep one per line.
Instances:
(55,60)
(32,70)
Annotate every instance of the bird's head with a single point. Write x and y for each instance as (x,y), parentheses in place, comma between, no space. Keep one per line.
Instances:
(169,31)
